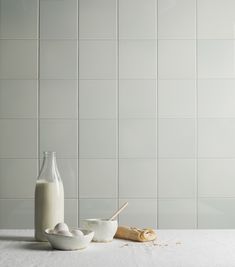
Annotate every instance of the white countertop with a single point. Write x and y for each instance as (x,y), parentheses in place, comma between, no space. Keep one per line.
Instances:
(173,248)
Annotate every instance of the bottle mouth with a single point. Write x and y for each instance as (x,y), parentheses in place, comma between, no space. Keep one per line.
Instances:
(49,153)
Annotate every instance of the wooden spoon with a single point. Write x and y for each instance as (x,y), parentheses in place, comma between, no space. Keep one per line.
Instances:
(119,211)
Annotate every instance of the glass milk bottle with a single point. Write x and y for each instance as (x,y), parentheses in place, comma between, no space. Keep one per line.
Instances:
(49,197)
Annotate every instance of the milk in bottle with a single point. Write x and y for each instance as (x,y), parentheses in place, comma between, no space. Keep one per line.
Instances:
(49,197)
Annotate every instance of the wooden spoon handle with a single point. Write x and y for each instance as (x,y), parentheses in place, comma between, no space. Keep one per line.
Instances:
(118,211)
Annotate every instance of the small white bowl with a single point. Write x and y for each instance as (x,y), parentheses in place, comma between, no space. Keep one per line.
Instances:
(103,228)
(69,242)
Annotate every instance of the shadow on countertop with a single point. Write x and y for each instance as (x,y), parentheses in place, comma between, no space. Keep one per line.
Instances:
(17,238)
(37,246)
(31,243)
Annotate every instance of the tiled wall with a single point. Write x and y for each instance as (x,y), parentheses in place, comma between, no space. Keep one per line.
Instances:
(137,99)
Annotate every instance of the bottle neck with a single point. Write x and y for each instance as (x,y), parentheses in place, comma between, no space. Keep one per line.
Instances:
(49,171)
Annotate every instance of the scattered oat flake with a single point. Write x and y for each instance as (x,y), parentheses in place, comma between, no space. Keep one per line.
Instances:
(124,245)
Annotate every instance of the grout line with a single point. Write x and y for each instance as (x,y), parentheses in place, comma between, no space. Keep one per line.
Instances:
(120,118)
(38,91)
(133,198)
(160,198)
(117,102)
(33,79)
(114,39)
(196,115)
(139,197)
(31,198)
(29,119)
(78,113)
(36,158)
(127,158)
(113,158)
(18,79)
(59,39)
(18,39)
(157,121)
(123,79)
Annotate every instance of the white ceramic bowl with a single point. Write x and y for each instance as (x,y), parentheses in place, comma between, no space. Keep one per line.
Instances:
(103,228)
(69,242)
